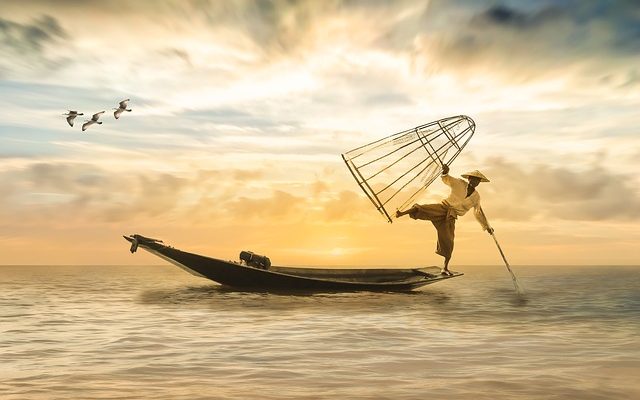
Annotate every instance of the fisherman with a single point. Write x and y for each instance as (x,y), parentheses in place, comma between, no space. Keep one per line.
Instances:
(443,215)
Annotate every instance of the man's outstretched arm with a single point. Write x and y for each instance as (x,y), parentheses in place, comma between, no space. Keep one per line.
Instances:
(482,219)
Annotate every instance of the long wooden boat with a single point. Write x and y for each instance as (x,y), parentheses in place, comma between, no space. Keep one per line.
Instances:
(267,277)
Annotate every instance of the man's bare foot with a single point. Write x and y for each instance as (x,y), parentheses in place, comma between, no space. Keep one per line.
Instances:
(446,272)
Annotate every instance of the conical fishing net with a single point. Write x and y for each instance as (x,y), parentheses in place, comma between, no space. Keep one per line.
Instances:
(393,171)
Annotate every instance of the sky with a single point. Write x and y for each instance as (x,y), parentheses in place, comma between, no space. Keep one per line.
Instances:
(241,110)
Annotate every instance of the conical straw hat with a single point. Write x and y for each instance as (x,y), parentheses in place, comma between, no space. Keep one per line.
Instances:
(477,174)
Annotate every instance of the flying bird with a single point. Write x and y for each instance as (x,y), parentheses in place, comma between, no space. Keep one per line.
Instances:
(121,108)
(93,120)
(71,116)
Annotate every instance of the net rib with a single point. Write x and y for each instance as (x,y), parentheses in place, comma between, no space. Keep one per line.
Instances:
(435,176)
(414,178)
(447,145)
(426,137)
(398,149)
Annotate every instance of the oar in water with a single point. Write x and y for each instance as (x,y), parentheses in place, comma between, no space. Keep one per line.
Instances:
(513,276)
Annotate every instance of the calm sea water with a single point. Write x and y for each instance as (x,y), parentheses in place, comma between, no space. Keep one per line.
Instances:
(156,332)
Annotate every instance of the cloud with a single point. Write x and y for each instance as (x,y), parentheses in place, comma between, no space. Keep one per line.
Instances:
(285,28)
(502,15)
(242,108)
(33,37)
(275,26)
(280,204)
(56,191)
(552,192)
(28,44)
(348,205)
(208,39)
(47,193)
(602,27)
(181,54)
(521,42)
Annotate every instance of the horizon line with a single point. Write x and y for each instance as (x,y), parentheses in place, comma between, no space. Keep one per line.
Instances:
(339,265)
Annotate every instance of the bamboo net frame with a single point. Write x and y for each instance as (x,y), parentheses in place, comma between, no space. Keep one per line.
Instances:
(395,170)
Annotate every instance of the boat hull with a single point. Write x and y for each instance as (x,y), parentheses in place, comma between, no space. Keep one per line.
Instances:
(234,274)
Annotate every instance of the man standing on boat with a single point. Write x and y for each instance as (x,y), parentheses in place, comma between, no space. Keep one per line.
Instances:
(463,197)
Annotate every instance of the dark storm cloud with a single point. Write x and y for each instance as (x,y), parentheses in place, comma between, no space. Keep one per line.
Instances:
(602,26)
(504,15)
(510,17)
(523,41)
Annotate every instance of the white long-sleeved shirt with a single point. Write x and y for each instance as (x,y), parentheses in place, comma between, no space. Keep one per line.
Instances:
(459,201)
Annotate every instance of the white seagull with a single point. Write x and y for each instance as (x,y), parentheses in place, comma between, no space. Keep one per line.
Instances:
(122,108)
(71,116)
(93,120)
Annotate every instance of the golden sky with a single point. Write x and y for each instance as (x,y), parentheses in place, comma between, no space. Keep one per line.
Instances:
(241,110)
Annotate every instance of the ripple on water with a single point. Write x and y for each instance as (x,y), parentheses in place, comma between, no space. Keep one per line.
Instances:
(122,332)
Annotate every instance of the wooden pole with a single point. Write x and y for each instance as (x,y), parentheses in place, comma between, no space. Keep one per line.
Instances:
(513,276)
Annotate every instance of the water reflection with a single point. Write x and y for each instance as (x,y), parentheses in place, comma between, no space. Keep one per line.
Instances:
(217,295)
(121,326)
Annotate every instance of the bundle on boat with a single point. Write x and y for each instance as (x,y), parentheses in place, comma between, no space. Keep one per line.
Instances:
(395,170)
